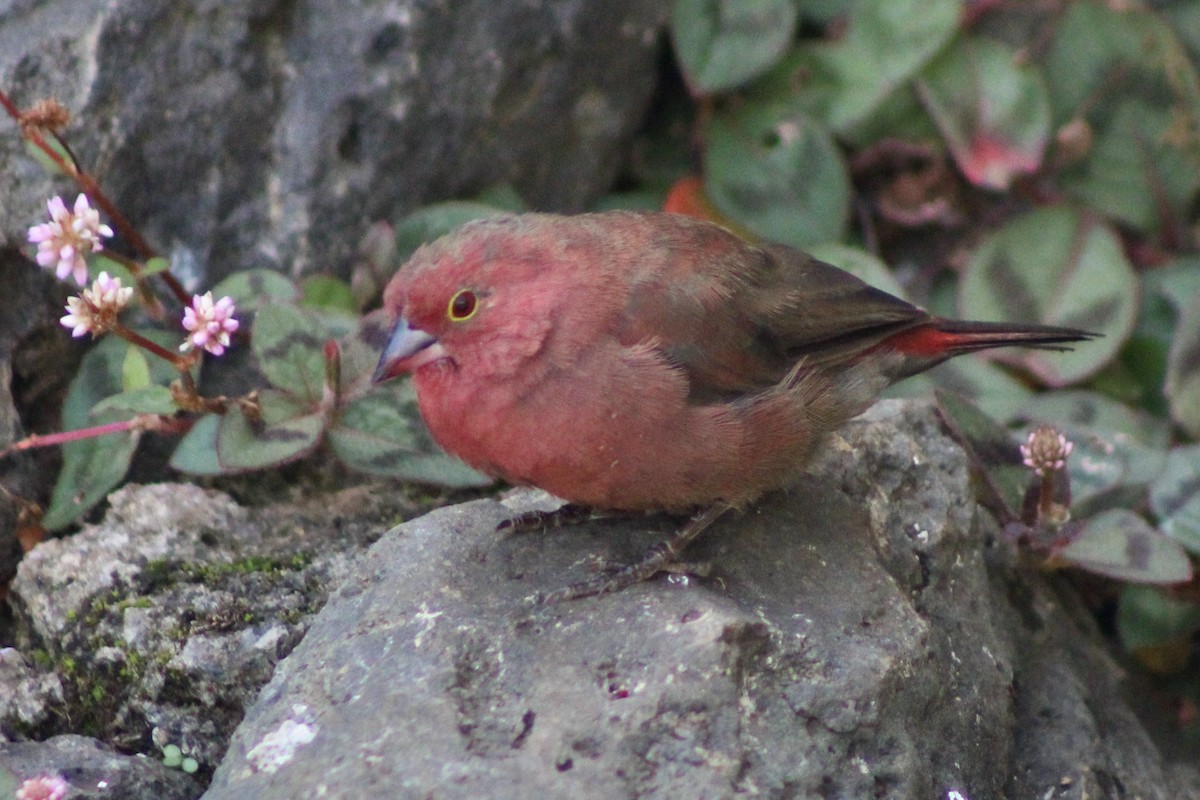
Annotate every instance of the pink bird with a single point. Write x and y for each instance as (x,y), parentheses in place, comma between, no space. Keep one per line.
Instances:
(648,361)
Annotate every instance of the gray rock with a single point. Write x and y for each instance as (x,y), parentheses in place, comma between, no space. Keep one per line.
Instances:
(31,696)
(94,771)
(866,635)
(159,625)
(271,133)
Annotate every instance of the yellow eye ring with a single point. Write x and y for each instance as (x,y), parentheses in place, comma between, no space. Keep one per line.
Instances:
(462,306)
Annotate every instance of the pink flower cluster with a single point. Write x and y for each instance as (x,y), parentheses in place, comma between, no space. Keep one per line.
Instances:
(68,237)
(43,787)
(209,324)
(95,310)
(1046,450)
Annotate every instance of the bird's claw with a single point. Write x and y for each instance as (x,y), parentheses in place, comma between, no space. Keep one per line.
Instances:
(567,514)
(661,557)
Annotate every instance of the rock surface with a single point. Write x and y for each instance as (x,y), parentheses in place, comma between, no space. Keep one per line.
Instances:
(94,772)
(158,626)
(270,133)
(866,635)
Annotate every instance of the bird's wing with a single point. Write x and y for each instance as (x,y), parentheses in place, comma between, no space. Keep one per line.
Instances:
(737,318)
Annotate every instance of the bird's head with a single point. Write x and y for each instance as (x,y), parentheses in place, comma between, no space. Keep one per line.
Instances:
(484,298)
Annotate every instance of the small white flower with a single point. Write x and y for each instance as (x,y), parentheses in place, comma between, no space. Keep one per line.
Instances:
(1046,450)
(43,787)
(209,324)
(95,310)
(64,241)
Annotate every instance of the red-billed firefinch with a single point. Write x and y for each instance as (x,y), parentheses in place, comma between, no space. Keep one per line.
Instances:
(645,361)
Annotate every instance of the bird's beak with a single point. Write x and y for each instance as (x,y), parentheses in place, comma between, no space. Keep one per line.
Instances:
(407,349)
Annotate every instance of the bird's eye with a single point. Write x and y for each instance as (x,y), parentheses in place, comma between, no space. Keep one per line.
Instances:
(463,306)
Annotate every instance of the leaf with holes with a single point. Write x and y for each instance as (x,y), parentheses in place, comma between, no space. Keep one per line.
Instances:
(779,173)
(724,43)
(1056,266)
(993,113)
(1175,496)
(1120,544)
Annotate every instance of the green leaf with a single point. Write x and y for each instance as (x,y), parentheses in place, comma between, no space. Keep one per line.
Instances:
(1135,170)
(1118,451)
(196,453)
(155,265)
(993,112)
(859,263)
(151,399)
(1175,496)
(94,467)
(255,288)
(1060,267)
(135,369)
(48,164)
(91,469)
(1148,617)
(883,47)
(1120,544)
(382,434)
(996,392)
(435,221)
(288,430)
(1176,283)
(9,783)
(101,262)
(331,301)
(779,173)
(1182,385)
(328,292)
(502,197)
(1098,412)
(721,44)
(1127,75)
(990,446)
(289,345)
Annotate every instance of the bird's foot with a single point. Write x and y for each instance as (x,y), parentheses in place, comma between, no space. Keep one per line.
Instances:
(660,558)
(567,514)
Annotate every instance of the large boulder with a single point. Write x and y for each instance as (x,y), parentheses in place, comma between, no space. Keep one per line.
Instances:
(270,133)
(869,634)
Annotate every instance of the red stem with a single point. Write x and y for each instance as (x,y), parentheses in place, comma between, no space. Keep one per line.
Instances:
(138,422)
(92,189)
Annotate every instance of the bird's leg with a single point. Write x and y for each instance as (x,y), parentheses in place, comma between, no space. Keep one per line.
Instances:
(660,557)
(567,514)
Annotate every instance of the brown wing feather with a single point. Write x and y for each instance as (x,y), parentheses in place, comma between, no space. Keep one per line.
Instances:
(737,318)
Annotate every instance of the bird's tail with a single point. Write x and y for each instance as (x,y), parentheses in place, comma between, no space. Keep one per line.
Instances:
(935,341)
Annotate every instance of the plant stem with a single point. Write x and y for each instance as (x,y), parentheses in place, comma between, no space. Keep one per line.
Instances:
(139,422)
(92,189)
